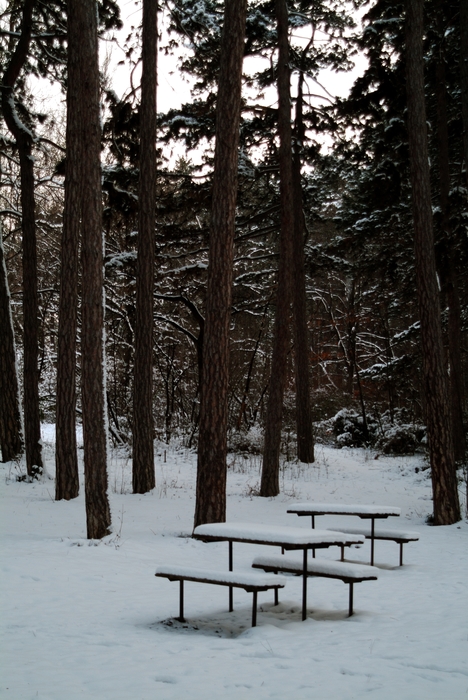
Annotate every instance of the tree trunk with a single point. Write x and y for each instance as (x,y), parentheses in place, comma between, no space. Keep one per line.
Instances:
(11,441)
(98,519)
(305,436)
(464,78)
(24,142)
(66,457)
(143,428)
(270,471)
(445,258)
(212,441)
(444,484)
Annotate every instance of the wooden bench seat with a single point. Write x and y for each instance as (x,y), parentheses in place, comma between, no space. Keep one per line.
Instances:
(250,582)
(348,573)
(399,536)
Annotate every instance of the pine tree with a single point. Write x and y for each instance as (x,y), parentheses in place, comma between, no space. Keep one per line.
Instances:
(212,441)
(444,483)
(143,428)
(83,21)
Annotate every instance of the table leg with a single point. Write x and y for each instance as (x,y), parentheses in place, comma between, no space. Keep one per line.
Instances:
(350,611)
(304,585)
(254,609)
(181,601)
(231,601)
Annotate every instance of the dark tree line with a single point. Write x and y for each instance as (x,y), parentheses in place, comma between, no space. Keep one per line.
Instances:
(271,286)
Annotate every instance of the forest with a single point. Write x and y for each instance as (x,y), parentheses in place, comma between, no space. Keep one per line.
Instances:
(294,275)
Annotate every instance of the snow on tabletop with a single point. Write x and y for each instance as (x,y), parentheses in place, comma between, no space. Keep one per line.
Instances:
(88,620)
(340,508)
(240,577)
(322,566)
(269,533)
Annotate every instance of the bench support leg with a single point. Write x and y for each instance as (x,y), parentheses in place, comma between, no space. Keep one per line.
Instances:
(372,541)
(231,597)
(401,553)
(276,596)
(304,585)
(254,609)
(181,601)
(351,592)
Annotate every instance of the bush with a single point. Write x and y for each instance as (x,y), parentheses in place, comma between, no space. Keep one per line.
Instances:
(390,434)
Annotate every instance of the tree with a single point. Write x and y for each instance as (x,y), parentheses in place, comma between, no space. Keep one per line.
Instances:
(212,441)
(464,79)
(305,437)
(444,247)
(143,428)
(11,441)
(270,470)
(444,484)
(83,22)
(24,142)
(66,457)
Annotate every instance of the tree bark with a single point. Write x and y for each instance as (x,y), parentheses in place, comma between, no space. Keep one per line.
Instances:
(444,248)
(212,441)
(444,484)
(66,457)
(11,440)
(92,346)
(143,428)
(269,485)
(24,142)
(305,435)
(464,78)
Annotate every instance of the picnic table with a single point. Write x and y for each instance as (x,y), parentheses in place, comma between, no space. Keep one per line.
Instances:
(288,538)
(364,512)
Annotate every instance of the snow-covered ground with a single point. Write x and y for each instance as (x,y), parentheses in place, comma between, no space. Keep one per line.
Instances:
(90,620)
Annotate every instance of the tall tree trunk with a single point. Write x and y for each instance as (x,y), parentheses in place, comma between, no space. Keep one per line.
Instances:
(143,428)
(445,258)
(269,485)
(24,142)
(212,441)
(464,78)
(305,436)
(66,457)
(444,484)
(98,519)
(11,440)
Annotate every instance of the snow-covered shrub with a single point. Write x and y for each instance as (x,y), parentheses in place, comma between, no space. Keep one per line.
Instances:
(389,433)
(401,439)
(250,442)
(350,431)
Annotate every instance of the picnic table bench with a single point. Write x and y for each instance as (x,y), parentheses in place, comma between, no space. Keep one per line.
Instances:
(365,512)
(250,582)
(401,537)
(343,571)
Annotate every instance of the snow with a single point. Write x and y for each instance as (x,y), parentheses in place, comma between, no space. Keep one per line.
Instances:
(383,533)
(90,620)
(319,566)
(269,533)
(223,577)
(340,508)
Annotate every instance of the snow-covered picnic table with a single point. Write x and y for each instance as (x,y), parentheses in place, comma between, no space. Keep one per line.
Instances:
(366,512)
(290,538)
